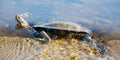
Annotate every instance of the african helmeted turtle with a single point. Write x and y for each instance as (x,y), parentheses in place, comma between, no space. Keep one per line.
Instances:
(51,30)
(58,30)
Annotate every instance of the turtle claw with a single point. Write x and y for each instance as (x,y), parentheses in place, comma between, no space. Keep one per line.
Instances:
(42,40)
(42,36)
(45,36)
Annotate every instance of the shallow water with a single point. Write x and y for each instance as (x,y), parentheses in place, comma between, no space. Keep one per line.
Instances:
(90,13)
(103,15)
(18,48)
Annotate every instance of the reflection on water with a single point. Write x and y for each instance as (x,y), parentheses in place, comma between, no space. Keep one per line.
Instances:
(104,13)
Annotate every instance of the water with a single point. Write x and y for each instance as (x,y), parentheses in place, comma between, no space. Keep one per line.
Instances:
(90,13)
(106,13)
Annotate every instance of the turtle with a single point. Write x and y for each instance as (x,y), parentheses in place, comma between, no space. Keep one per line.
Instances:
(52,30)
(49,31)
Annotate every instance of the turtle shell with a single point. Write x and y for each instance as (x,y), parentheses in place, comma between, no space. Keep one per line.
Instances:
(62,29)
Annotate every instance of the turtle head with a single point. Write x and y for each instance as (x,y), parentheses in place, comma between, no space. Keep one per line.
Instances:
(21,22)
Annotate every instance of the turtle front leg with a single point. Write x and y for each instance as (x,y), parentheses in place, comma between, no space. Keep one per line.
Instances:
(42,35)
(45,35)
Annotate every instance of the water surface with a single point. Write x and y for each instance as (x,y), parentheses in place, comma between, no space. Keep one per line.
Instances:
(90,13)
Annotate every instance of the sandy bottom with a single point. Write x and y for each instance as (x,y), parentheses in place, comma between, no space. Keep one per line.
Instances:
(115,47)
(17,48)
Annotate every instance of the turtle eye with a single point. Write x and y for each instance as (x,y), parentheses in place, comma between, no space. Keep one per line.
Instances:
(18,17)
